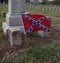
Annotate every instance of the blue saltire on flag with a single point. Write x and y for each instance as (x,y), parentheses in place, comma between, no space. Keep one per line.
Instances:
(33,23)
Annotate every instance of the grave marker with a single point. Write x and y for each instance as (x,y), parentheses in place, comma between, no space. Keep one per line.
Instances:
(14,21)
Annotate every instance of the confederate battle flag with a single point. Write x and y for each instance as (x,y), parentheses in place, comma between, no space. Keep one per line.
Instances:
(33,23)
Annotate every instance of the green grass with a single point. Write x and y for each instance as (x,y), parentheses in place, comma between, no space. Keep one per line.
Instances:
(3,8)
(1,30)
(39,55)
(39,10)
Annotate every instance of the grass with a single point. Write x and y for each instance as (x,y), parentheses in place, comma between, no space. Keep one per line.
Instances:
(3,8)
(1,30)
(39,10)
(39,55)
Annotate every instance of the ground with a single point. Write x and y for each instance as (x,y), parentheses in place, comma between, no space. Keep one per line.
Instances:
(7,51)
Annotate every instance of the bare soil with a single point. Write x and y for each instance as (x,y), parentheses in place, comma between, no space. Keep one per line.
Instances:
(7,51)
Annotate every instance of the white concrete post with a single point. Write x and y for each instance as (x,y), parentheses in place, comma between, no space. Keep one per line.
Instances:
(15,8)
(14,21)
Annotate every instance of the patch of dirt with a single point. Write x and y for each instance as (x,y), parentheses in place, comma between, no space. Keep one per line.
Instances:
(7,51)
